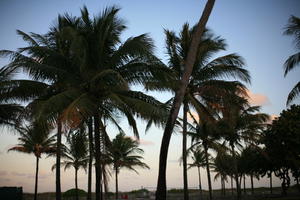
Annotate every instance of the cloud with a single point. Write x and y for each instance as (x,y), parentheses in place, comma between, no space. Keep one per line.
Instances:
(19,174)
(272,117)
(258,99)
(143,142)
(3,173)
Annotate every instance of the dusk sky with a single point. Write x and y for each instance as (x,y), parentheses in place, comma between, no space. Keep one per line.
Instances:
(253,29)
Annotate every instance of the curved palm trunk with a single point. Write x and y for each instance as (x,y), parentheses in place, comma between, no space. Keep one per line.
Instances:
(208,172)
(161,190)
(58,153)
(236,176)
(184,159)
(36,178)
(200,185)
(117,189)
(97,157)
(91,154)
(76,184)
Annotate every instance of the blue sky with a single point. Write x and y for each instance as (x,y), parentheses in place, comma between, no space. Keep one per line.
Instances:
(253,29)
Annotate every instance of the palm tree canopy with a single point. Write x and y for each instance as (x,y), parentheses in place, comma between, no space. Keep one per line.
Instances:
(293,29)
(125,153)
(35,139)
(197,156)
(9,112)
(75,153)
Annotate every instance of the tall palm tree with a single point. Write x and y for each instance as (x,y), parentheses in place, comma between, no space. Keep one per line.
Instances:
(125,153)
(293,29)
(178,99)
(35,139)
(75,154)
(206,75)
(199,161)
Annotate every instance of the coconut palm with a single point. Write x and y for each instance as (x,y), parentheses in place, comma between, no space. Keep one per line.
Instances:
(35,139)
(206,73)
(125,153)
(203,134)
(238,123)
(178,99)
(293,29)
(198,158)
(75,154)
(8,111)
(222,167)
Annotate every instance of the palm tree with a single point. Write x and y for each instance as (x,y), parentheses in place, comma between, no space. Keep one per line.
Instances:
(75,154)
(203,134)
(222,168)
(207,75)
(88,73)
(125,153)
(178,99)
(239,121)
(293,29)
(9,112)
(198,158)
(35,139)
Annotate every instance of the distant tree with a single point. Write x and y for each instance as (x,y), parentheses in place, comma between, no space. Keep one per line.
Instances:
(198,160)
(75,154)
(293,29)
(125,153)
(282,145)
(35,139)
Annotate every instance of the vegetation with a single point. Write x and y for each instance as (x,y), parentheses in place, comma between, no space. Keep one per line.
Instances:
(293,29)
(35,139)
(81,78)
(125,153)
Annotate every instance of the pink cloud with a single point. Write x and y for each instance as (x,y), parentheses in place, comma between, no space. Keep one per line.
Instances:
(142,141)
(2,173)
(258,99)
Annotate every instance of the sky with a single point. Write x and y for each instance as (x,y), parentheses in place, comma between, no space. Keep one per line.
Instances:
(253,29)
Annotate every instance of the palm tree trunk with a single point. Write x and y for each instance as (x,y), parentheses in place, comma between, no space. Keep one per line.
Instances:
(91,155)
(200,186)
(117,190)
(58,153)
(76,184)
(97,157)
(208,172)
(236,176)
(244,184)
(231,180)
(271,187)
(252,188)
(36,178)
(161,182)
(184,159)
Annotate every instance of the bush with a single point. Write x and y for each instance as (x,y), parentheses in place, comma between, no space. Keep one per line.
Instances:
(72,193)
